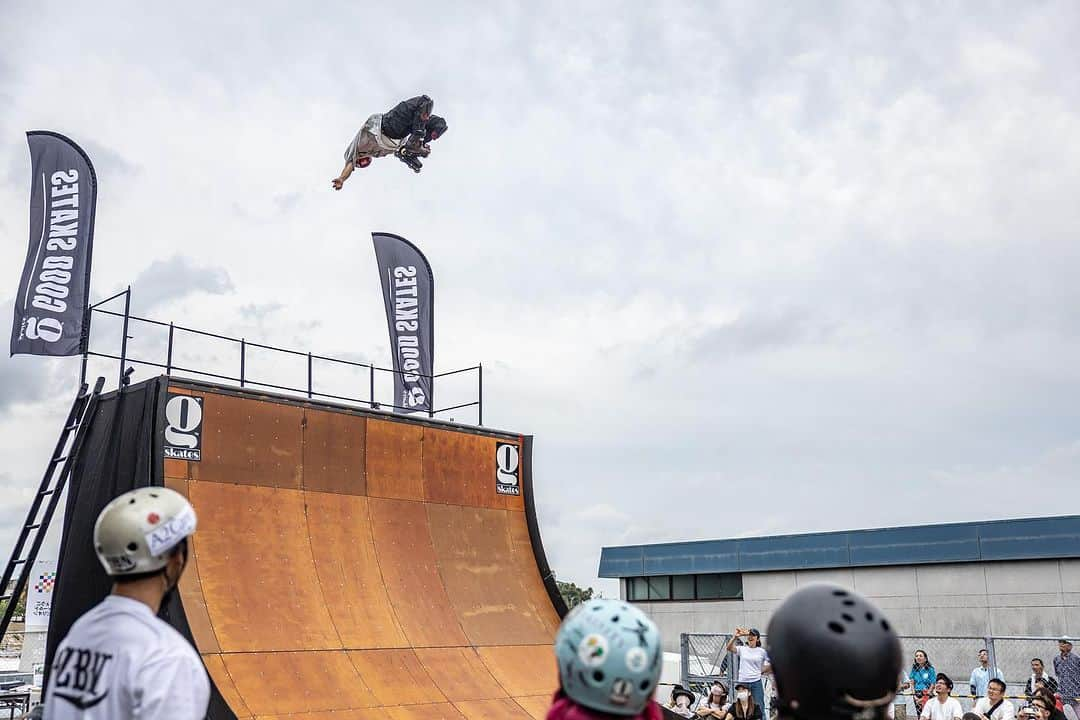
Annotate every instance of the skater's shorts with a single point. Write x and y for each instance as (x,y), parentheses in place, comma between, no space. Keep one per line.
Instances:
(370,141)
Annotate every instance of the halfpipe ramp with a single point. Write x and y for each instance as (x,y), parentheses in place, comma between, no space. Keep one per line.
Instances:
(348,564)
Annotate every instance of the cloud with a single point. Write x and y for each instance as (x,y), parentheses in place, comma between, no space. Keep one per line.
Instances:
(287,201)
(27,379)
(165,281)
(108,163)
(261,311)
(761,330)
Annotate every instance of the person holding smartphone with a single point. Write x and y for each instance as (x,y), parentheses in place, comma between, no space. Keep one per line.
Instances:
(753,662)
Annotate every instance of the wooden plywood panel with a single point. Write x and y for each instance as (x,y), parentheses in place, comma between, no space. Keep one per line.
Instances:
(410,571)
(477,567)
(536,705)
(459,673)
(376,713)
(334,452)
(522,669)
(527,574)
(352,584)
(492,710)
(280,683)
(250,442)
(257,571)
(215,666)
(396,677)
(176,469)
(190,588)
(459,469)
(437,711)
(394,460)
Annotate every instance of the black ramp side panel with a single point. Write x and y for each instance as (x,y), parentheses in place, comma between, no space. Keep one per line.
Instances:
(546,574)
(122,451)
(115,458)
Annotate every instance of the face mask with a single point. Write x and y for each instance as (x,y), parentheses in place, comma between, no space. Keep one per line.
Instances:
(742,694)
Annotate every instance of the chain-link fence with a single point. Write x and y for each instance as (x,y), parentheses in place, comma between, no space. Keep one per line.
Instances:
(705,658)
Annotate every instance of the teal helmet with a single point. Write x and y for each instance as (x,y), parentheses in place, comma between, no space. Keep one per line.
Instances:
(609,656)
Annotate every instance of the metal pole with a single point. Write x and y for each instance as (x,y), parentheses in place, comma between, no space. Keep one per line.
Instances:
(371,386)
(168,355)
(431,407)
(85,347)
(124,339)
(243,347)
(309,375)
(480,420)
(684,657)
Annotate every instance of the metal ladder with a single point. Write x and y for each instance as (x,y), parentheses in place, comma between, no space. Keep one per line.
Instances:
(52,485)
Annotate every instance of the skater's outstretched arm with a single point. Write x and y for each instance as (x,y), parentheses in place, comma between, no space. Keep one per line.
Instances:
(345,173)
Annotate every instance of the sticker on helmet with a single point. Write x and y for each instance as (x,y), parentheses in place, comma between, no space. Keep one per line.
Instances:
(169,533)
(120,563)
(636,659)
(153,518)
(621,692)
(593,650)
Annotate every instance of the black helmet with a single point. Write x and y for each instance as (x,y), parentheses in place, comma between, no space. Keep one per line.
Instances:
(436,126)
(833,654)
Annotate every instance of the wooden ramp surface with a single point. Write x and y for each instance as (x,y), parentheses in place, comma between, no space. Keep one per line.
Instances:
(351,567)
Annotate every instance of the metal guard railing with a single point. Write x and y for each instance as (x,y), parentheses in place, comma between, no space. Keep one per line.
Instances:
(244,380)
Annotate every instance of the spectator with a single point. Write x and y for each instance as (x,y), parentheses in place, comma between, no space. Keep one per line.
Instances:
(941,706)
(995,706)
(921,679)
(1038,674)
(1046,709)
(681,701)
(715,704)
(982,675)
(1052,701)
(744,707)
(753,661)
(1067,669)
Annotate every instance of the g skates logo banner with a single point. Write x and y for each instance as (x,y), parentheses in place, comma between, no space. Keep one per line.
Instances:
(409,295)
(183,427)
(507,462)
(51,307)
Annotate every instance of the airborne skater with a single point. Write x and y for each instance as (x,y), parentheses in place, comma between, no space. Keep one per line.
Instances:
(120,661)
(406,132)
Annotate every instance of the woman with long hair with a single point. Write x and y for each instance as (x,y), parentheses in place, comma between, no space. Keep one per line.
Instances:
(921,679)
(744,707)
(715,704)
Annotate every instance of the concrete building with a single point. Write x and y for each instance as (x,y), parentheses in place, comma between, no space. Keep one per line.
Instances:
(1007,577)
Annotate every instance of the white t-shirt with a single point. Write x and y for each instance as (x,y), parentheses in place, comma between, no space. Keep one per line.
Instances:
(121,662)
(948,710)
(1005,711)
(750,662)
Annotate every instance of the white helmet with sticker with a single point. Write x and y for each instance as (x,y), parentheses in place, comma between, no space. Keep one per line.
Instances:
(135,532)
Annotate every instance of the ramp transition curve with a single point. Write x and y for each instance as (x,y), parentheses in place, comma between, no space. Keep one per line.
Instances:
(352,565)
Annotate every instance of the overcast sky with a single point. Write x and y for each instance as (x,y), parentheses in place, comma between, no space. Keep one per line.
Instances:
(742,268)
